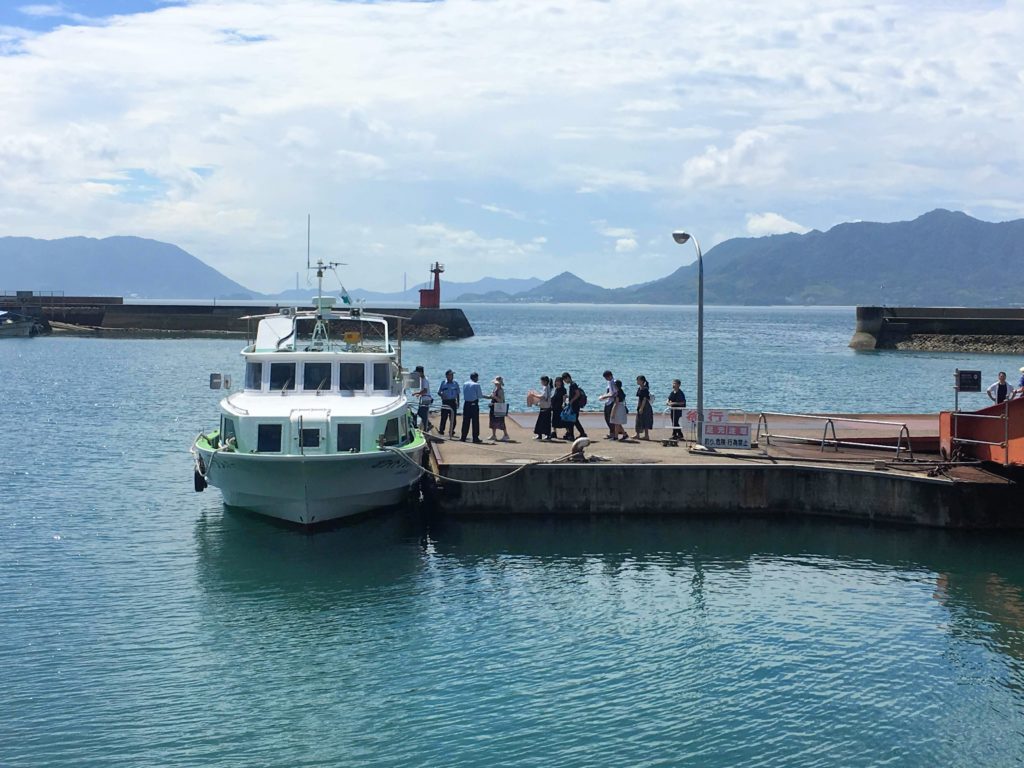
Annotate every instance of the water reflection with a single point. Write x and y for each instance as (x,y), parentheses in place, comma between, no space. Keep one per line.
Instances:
(409,562)
(242,556)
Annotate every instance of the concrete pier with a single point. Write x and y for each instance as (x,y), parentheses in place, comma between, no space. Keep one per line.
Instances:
(783,478)
(977,329)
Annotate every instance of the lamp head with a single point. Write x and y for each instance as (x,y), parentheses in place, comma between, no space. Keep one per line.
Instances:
(680,237)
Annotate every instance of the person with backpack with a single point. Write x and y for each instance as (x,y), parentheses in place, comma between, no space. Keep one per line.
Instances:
(558,396)
(577,399)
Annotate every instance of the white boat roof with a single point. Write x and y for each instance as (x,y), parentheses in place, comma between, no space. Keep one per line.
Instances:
(273,404)
(277,333)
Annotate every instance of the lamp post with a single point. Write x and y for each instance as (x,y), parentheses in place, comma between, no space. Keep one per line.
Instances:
(682,237)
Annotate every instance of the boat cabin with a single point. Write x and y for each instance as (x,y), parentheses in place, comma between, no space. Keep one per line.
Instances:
(318,385)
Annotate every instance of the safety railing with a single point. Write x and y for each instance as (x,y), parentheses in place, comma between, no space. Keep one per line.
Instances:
(902,442)
(1003,417)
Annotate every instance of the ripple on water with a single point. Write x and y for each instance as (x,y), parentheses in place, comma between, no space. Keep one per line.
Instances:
(141,624)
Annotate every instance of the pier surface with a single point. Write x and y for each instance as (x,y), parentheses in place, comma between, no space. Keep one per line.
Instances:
(527,476)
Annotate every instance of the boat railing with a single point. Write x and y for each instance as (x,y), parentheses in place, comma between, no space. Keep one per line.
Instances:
(387,406)
(237,408)
(901,443)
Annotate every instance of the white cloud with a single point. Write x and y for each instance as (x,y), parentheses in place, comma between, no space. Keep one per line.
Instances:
(625,245)
(604,230)
(437,238)
(768,223)
(53,10)
(753,159)
(384,116)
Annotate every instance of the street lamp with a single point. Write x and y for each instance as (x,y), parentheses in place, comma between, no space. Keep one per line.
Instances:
(681,238)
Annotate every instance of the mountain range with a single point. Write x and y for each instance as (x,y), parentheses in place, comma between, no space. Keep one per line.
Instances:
(113,266)
(940,258)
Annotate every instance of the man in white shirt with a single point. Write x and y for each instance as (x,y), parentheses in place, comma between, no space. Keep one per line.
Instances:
(1000,391)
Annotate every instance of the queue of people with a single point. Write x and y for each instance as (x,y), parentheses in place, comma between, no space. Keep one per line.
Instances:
(560,401)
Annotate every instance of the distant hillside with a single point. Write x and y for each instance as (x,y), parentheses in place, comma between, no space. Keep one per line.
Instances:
(565,287)
(113,266)
(942,258)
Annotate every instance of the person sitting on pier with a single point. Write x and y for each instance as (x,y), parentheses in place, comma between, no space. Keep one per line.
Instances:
(1000,391)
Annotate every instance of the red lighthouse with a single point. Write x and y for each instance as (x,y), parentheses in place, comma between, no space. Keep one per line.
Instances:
(430,298)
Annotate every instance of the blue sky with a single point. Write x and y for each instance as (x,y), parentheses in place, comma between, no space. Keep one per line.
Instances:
(505,138)
(43,16)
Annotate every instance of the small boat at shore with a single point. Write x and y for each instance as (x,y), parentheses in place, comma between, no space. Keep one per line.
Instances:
(321,429)
(15,325)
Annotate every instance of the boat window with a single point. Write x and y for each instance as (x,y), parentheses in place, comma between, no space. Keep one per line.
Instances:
(254,375)
(310,438)
(382,376)
(353,376)
(391,432)
(316,376)
(268,438)
(282,376)
(348,438)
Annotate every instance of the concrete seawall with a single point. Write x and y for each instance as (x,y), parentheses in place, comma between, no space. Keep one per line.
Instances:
(110,316)
(734,488)
(981,329)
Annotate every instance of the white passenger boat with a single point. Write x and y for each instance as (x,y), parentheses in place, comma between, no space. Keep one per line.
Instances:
(321,429)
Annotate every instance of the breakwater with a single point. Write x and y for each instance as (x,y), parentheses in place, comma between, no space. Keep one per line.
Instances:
(111,316)
(940,329)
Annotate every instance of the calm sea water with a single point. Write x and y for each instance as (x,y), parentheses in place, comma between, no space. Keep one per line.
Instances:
(142,624)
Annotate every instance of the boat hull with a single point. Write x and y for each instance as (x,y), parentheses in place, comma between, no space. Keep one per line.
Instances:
(309,490)
(18,329)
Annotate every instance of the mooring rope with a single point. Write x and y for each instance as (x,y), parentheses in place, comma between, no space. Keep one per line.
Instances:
(424,470)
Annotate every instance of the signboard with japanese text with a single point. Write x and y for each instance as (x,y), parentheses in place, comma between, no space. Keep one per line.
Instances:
(725,435)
